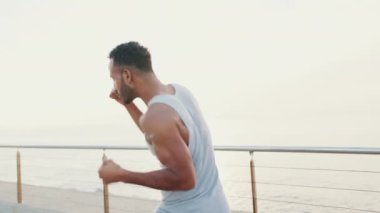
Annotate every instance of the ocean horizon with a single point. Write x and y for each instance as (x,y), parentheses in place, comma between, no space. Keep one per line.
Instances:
(285,181)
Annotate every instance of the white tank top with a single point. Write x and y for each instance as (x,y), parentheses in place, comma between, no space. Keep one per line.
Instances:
(207,196)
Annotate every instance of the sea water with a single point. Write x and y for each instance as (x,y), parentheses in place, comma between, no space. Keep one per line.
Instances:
(285,182)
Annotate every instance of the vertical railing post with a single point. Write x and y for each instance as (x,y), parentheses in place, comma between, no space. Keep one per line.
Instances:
(253,184)
(19,185)
(105,191)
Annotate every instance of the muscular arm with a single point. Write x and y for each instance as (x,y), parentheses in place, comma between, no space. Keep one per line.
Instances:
(132,109)
(163,179)
(171,150)
(135,113)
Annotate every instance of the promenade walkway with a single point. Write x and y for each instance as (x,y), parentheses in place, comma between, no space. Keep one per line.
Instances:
(37,199)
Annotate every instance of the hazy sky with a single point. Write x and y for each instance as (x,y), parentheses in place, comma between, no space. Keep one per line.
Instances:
(274,72)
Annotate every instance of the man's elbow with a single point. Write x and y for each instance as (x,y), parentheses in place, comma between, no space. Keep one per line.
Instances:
(187,183)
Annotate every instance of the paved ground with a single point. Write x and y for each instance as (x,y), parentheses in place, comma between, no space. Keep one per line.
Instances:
(71,201)
(6,207)
(52,200)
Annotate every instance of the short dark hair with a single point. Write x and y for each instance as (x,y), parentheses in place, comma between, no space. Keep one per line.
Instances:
(132,54)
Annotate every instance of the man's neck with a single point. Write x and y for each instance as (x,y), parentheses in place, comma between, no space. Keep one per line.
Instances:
(150,87)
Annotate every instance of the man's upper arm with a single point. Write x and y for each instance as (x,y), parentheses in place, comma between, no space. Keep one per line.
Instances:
(161,125)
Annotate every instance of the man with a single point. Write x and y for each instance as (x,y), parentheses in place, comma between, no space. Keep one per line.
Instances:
(175,132)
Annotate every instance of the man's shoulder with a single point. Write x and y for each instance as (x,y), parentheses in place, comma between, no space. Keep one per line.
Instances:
(158,115)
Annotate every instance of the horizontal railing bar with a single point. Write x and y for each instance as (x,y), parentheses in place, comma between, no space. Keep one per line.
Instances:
(318,169)
(292,149)
(301,168)
(301,149)
(303,186)
(319,187)
(76,147)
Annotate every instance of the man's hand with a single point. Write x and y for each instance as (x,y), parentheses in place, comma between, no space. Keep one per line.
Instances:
(110,172)
(116,96)
(131,107)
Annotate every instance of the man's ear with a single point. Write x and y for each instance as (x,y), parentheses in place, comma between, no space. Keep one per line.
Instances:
(127,76)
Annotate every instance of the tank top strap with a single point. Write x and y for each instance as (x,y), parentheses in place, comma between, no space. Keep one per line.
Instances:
(174,103)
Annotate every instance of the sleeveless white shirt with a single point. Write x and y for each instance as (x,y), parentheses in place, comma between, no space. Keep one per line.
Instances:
(207,196)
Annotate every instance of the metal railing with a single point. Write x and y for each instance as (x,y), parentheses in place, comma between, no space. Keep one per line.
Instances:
(249,149)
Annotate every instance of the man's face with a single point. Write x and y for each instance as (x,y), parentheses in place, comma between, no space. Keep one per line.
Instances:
(125,92)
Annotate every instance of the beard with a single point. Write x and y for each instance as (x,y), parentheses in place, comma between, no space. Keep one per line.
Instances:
(127,94)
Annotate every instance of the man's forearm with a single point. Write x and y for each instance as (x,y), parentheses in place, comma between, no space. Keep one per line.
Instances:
(135,113)
(163,179)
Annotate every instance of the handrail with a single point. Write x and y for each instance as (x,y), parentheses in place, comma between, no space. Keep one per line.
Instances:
(250,149)
(297,149)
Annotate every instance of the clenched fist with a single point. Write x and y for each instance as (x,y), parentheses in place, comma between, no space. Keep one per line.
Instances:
(110,172)
(116,96)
